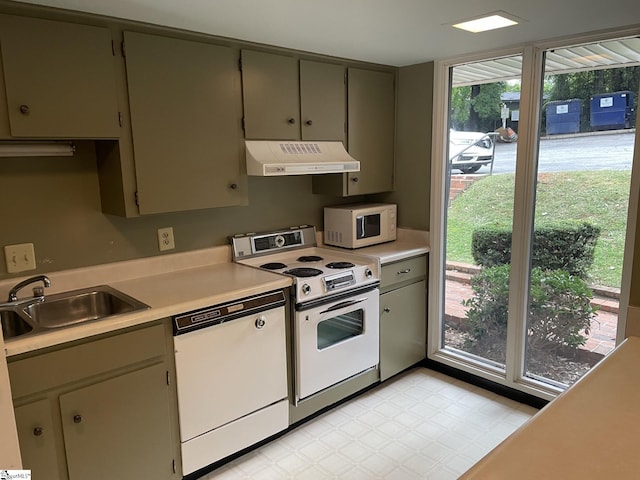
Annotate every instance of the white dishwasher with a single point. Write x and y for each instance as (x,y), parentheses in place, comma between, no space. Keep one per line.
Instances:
(231,374)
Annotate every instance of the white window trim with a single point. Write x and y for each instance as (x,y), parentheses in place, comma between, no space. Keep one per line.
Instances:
(532,78)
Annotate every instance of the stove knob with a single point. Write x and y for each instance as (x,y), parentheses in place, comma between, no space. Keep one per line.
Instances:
(368,273)
(306,289)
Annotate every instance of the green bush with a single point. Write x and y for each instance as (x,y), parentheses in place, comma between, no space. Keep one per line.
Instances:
(565,246)
(559,311)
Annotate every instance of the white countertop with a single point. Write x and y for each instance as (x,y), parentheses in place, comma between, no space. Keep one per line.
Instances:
(409,243)
(591,431)
(169,287)
(177,283)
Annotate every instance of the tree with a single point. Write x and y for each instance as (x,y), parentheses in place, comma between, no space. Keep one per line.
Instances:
(460,107)
(477,107)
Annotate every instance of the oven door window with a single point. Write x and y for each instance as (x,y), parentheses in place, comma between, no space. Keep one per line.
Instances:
(368,226)
(340,328)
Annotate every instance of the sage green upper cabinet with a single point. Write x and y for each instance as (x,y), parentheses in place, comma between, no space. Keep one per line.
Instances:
(59,79)
(371,136)
(371,130)
(271,96)
(322,101)
(289,100)
(186,118)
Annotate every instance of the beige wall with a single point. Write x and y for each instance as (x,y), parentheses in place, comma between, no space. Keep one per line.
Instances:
(413,146)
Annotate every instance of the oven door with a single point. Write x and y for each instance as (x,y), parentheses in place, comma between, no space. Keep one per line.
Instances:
(335,341)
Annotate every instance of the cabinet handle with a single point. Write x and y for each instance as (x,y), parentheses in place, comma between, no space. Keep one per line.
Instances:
(77,418)
(38,431)
(292,121)
(25,110)
(387,309)
(354,179)
(309,122)
(261,321)
(233,186)
(406,270)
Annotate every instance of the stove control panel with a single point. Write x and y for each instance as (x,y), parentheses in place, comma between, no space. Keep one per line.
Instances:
(249,245)
(340,280)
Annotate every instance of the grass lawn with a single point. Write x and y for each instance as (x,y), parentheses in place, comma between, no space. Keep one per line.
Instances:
(599,197)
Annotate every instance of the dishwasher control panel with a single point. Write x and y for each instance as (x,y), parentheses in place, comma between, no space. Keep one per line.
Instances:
(217,314)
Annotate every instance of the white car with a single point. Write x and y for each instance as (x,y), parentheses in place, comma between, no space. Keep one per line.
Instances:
(468,151)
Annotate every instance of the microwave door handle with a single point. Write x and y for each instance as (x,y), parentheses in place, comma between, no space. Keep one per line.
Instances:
(341,305)
(360,222)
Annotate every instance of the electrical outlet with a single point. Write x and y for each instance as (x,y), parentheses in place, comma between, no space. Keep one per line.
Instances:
(20,258)
(165,239)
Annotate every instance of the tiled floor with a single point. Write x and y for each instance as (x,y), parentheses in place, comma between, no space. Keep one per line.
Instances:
(420,425)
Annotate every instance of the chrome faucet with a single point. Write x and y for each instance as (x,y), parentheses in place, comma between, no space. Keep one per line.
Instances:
(38,292)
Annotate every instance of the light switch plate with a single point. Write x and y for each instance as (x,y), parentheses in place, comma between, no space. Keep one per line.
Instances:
(165,238)
(20,257)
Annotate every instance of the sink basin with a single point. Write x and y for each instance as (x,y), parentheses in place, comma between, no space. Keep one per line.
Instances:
(77,306)
(13,324)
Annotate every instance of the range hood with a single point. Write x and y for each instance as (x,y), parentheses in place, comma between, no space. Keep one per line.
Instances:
(266,158)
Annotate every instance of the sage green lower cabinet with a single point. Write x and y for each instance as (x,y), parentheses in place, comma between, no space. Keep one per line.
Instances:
(403,318)
(36,432)
(99,410)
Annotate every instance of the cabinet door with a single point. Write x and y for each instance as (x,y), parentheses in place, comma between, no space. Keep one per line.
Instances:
(403,328)
(59,79)
(323,101)
(37,439)
(371,111)
(271,96)
(119,428)
(186,114)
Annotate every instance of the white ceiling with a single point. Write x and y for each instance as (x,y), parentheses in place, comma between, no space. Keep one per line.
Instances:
(390,32)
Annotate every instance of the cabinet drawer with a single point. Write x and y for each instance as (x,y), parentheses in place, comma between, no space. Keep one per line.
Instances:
(403,271)
(50,370)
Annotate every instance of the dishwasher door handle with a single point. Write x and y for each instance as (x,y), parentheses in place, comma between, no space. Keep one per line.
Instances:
(260,322)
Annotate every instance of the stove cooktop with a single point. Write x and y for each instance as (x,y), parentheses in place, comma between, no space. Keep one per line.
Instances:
(315,271)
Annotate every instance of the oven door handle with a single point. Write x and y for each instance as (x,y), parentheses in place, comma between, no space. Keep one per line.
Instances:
(341,305)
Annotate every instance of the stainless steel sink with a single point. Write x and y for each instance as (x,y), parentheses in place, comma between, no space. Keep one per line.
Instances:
(65,309)
(13,324)
(77,306)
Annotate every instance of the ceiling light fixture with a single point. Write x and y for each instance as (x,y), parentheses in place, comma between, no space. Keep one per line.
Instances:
(487,22)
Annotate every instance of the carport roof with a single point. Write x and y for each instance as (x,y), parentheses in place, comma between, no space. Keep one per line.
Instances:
(594,56)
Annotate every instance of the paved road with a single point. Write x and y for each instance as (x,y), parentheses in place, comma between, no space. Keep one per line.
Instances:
(581,152)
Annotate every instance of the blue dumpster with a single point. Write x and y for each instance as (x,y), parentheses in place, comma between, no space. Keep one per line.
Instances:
(563,116)
(611,111)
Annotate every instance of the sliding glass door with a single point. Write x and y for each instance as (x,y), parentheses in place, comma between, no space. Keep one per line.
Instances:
(531,213)
(583,175)
(480,180)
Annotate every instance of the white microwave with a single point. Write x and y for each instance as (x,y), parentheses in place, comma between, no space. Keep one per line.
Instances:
(360,225)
